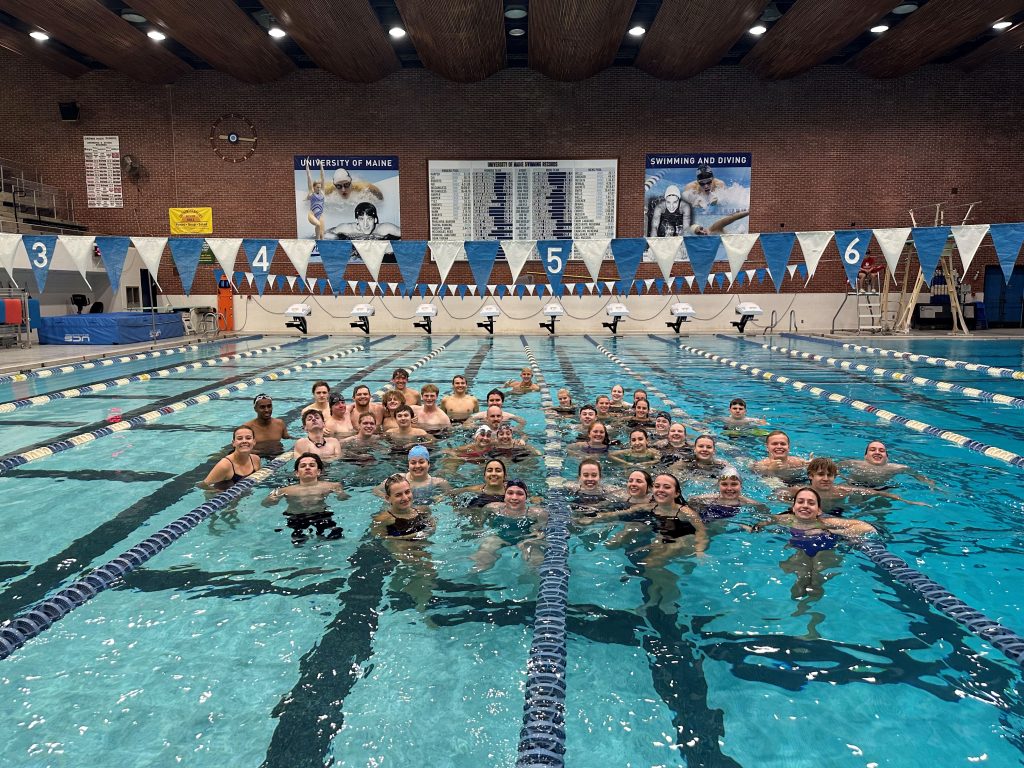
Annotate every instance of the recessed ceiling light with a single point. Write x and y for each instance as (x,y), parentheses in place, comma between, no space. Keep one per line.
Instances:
(758,30)
(133,17)
(517,31)
(515,12)
(276,32)
(904,8)
(637,31)
(397,33)
(42,37)
(1002,24)
(880,29)
(156,34)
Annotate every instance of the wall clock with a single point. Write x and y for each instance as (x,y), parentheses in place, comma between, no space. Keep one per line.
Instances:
(233,138)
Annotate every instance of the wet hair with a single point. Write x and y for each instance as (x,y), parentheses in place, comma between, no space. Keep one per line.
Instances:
(801,490)
(311,413)
(234,432)
(459,376)
(389,483)
(737,401)
(367,416)
(400,373)
(599,424)
(310,455)
(504,469)
(318,384)
(708,437)
(588,407)
(679,492)
(430,388)
(773,433)
(496,392)
(822,464)
(647,477)
(390,394)
(641,431)
(404,409)
(591,463)
(357,387)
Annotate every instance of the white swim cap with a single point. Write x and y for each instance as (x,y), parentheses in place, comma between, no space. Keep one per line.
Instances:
(672,190)
(341,176)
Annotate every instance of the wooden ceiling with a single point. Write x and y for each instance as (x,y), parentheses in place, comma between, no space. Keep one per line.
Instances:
(469,40)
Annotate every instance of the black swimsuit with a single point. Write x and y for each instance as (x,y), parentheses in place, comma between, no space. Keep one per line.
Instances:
(669,528)
(223,485)
(408,526)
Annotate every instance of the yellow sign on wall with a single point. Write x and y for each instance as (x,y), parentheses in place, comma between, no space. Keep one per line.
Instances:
(191,221)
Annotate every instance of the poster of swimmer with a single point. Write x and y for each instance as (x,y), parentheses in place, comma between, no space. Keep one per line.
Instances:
(350,197)
(702,193)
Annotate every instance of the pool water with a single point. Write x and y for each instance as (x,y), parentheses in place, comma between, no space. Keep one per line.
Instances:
(233,646)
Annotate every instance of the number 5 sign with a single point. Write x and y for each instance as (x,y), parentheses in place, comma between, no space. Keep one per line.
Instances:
(553,255)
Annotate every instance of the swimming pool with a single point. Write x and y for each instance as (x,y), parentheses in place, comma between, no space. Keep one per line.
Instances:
(234,646)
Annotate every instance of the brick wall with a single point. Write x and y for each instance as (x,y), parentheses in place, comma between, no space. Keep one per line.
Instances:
(831,149)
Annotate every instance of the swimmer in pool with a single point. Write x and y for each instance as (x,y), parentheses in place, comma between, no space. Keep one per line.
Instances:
(460,404)
(400,382)
(588,415)
(589,492)
(430,417)
(675,447)
(639,453)
(662,422)
(391,401)
(637,491)
(596,442)
(565,405)
(495,398)
(822,473)
(728,501)
(737,418)
(237,465)
(874,469)
(523,384)
(704,463)
(475,451)
(404,432)
(425,487)
(491,489)
(361,405)
(269,431)
(616,401)
(364,440)
(641,415)
(406,529)
(321,400)
(506,444)
(339,424)
(306,508)
(327,448)
(779,463)
(669,518)
(514,523)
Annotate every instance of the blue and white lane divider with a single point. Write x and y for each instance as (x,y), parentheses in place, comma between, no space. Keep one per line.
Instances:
(1009,643)
(678,413)
(941,362)
(421,362)
(9,463)
(66,394)
(885,373)
(102,362)
(542,738)
(956,438)
(40,617)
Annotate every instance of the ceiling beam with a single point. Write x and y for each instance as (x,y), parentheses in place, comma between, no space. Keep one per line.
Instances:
(23,45)
(344,37)
(810,33)
(88,26)
(931,31)
(461,40)
(688,36)
(222,34)
(1009,40)
(576,40)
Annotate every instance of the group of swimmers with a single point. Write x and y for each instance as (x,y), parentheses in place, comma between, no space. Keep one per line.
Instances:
(653,450)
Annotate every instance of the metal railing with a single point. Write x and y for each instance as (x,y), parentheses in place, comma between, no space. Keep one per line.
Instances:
(32,200)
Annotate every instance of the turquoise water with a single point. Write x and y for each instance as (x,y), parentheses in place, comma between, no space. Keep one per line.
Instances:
(235,647)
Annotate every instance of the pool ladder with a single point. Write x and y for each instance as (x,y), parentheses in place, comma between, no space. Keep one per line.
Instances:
(774,320)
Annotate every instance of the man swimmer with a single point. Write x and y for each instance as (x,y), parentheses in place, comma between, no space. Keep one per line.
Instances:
(367,226)
(496,398)
(366,438)
(875,470)
(321,400)
(361,406)
(306,508)
(737,418)
(822,473)
(339,424)
(400,382)
(405,432)
(430,417)
(269,432)
(459,405)
(524,383)
(703,191)
(316,441)
(779,463)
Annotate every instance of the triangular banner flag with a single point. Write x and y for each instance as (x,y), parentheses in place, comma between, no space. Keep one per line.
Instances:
(112,252)
(502,290)
(290,280)
(516,253)
(481,254)
(702,250)
(298,252)
(750,274)
(929,242)
(444,255)
(1007,239)
(225,251)
(259,252)
(659,285)
(335,255)
(249,277)
(531,289)
(591,253)
(689,281)
(853,245)
(361,287)
(553,255)
(813,244)
(791,268)
(891,241)
(520,291)
(9,243)
(461,290)
(777,247)
(760,275)
(741,278)
(627,252)
(968,237)
(737,248)
(665,251)
(442,290)
(80,249)
(151,250)
(185,252)
(372,253)
(40,255)
(422,288)
(409,254)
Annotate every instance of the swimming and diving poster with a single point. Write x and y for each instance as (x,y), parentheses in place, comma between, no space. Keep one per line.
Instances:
(701,193)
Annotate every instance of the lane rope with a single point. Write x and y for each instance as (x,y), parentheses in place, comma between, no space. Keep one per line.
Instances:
(542,737)
(942,362)
(102,362)
(993,452)
(102,386)
(45,451)
(849,365)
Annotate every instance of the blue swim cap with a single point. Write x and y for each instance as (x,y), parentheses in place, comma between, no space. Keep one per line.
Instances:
(419,452)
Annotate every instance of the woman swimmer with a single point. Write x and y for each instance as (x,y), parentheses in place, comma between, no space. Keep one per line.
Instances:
(425,487)
(617,395)
(669,518)
(492,488)
(237,465)
(514,523)
(506,444)
(401,520)
(639,452)
(638,491)
(675,447)
(703,463)
(597,441)
(728,501)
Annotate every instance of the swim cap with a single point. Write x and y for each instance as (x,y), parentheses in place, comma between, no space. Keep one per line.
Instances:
(419,452)
(672,190)
(260,397)
(663,415)
(480,431)
(704,173)
(341,176)
(518,484)
(334,398)
(729,471)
